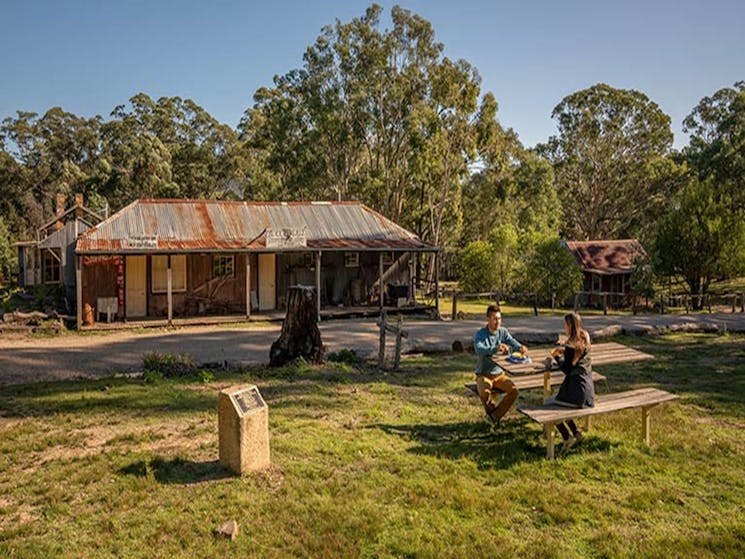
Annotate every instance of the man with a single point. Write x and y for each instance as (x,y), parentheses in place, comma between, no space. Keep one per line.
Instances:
(491,379)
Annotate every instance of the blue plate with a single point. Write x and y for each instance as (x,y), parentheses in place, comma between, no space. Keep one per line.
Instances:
(525,359)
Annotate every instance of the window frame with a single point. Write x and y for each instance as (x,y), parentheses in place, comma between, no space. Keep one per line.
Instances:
(51,255)
(351,259)
(177,271)
(219,261)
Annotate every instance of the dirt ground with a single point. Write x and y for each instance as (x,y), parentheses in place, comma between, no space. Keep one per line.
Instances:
(93,355)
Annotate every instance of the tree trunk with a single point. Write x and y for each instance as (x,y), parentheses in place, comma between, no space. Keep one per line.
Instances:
(300,336)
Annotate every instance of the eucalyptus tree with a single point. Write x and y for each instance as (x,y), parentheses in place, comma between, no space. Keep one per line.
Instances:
(378,115)
(700,239)
(716,149)
(134,164)
(611,161)
(55,153)
(176,133)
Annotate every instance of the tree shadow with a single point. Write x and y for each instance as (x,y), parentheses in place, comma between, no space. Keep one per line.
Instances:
(109,395)
(178,471)
(489,446)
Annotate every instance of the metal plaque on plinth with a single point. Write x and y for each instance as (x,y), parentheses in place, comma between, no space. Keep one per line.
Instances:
(243,426)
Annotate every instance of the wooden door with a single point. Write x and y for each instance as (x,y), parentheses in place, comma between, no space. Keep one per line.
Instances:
(267,282)
(135,281)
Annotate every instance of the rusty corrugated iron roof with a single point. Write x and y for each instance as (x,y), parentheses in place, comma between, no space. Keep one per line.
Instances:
(217,226)
(606,257)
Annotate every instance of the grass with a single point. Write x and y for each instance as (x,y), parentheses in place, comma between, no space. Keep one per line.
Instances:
(377,464)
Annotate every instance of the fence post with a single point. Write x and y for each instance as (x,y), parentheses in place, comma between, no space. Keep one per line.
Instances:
(605,303)
(574,306)
(535,304)
(662,309)
(381,349)
(399,335)
(685,302)
(708,302)
(455,305)
(742,302)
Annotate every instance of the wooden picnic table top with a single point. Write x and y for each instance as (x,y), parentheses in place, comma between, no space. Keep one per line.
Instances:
(602,354)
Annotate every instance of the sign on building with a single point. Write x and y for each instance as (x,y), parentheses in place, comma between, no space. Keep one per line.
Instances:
(149,241)
(286,238)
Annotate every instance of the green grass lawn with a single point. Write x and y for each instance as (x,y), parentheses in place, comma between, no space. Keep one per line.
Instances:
(377,464)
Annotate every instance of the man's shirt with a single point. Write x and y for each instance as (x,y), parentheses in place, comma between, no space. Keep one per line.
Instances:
(485,344)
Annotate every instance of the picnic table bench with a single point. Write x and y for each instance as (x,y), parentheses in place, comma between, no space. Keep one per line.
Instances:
(644,398)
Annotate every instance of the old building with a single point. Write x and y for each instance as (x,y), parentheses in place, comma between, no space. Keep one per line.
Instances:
(50,258)
(607,267)
(186,258)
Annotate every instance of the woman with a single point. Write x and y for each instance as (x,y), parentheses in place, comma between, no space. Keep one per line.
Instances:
(577,390)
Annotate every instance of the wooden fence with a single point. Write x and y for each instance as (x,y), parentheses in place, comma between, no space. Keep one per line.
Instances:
(607,299)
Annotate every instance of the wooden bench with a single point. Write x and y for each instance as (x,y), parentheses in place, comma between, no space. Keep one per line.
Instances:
(644,398)
(538,380)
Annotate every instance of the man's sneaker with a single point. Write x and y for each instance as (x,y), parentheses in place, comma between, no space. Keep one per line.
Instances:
(567,444)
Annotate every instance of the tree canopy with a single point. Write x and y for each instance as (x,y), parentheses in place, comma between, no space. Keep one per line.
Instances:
(611,161)
(381,115)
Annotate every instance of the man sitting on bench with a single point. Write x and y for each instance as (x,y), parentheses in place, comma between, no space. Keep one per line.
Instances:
(491,379)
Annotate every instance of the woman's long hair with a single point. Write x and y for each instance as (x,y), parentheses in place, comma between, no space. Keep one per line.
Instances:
(579,339)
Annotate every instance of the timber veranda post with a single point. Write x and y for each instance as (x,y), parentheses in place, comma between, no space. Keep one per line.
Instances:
(79,291)
(380,280)
(318,286)
(169,287)
(248,285)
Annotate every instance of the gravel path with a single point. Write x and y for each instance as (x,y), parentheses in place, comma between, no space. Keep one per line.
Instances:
(90,356)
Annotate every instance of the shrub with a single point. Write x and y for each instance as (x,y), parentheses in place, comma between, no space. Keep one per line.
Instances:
(169,365)
(551,271)
(348,356)
(477,270)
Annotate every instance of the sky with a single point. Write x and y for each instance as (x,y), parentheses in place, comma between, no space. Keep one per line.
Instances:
(90,56)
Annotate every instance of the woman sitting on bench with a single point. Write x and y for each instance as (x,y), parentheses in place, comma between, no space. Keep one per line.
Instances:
(577,390)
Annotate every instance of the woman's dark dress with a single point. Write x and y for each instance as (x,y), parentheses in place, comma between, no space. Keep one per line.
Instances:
(577,388)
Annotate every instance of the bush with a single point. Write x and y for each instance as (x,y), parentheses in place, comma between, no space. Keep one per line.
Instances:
(477,270)
(169,365)
(551,271)
(348,356)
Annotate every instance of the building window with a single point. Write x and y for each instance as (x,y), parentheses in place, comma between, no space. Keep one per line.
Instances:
(159,265)
(595,284)
(351,259)
(223,266)
(52,265)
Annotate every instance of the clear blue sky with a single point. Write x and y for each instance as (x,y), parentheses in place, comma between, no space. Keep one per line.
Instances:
(89,56)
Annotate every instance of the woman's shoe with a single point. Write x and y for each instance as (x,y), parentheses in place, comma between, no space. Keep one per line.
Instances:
(567,444)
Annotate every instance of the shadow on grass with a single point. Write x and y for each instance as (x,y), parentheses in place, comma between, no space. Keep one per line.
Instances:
(178,471)
(106,395)
(489,446)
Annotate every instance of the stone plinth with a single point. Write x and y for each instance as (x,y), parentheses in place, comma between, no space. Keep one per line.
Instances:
(243,425)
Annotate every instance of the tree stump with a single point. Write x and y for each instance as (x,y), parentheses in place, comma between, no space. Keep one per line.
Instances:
(300,336)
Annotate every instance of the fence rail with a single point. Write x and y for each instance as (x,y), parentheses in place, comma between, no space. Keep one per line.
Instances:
(609,299)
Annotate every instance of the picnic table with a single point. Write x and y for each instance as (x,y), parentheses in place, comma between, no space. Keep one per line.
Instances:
(602,354)
(536,374)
